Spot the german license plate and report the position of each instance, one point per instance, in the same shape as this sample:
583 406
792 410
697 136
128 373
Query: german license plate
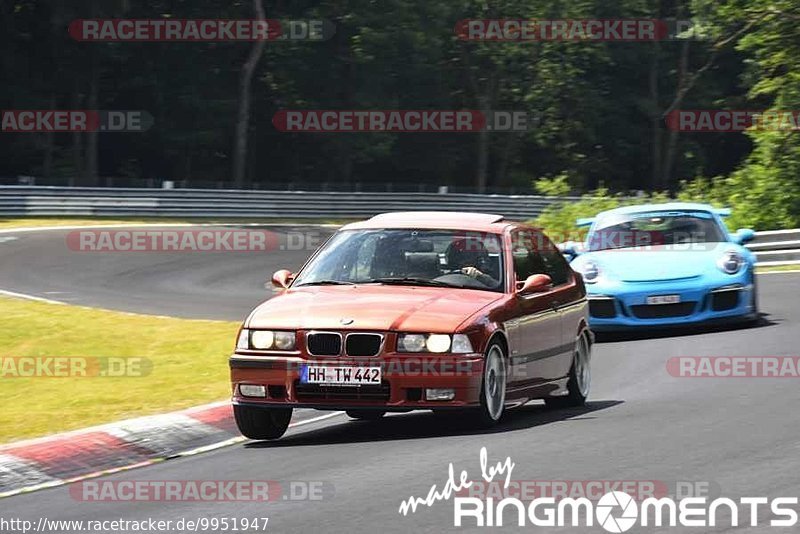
340 376
664 299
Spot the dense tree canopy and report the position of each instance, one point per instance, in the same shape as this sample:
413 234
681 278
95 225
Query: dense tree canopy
599 106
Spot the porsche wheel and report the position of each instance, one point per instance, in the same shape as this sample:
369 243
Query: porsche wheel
493 389
365 415
262 423
580 377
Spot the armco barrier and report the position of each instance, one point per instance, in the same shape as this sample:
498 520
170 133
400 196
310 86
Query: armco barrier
197 203
779 247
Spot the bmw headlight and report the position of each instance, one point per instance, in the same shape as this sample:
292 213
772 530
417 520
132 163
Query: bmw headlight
266 340
730 262
437 343
590 272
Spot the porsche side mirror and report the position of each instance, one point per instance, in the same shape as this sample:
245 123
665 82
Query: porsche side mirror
281 279
535 283
744 235
570 249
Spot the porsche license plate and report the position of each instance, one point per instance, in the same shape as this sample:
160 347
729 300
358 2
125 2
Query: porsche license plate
664 299
340 376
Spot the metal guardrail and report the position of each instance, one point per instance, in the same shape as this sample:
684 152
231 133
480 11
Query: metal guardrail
205 203
779 247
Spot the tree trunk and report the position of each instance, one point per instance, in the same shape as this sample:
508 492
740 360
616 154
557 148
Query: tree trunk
49 145
77 141
243 115
92 136
655 118
672 136
483 161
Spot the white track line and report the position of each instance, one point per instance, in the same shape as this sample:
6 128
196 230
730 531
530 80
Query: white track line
29 297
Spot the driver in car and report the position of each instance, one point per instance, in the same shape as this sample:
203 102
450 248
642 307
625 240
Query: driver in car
470 257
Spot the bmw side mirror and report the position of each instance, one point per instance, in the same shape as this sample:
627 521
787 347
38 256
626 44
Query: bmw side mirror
535 283
744 235
281 279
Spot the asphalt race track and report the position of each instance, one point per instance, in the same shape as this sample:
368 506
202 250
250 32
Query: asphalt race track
739 436
214 285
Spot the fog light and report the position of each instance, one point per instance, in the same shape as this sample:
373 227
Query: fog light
249 390
440 394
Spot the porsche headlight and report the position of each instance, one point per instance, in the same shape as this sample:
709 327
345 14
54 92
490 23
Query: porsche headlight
590 272
730 262
266 340
436 343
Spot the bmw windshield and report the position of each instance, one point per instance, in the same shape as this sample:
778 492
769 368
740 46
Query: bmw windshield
690 227
441 258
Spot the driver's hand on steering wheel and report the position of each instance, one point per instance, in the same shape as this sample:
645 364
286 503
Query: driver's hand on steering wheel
471 272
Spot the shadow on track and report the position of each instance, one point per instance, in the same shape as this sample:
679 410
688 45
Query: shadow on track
682 331
421 425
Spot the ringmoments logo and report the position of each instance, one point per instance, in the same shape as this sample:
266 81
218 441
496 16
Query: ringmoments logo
615 511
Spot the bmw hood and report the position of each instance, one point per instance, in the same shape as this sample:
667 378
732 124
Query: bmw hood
658 263
371 307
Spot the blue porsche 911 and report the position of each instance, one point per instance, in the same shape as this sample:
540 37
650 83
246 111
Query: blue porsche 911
664 265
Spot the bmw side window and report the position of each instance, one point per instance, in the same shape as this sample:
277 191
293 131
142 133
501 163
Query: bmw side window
556 266
527 259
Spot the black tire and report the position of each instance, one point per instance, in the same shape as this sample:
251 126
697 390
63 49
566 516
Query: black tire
262 423
756 313
577 387
493 386
365 415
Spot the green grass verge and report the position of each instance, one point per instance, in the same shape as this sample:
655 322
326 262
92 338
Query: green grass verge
189 366
777 268
34 222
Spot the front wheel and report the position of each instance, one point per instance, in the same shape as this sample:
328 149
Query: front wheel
493 389
262 423
580 377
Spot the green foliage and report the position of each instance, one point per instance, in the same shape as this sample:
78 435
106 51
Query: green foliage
558 220
558 186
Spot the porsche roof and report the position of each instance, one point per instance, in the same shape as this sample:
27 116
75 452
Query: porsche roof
433 219
668 206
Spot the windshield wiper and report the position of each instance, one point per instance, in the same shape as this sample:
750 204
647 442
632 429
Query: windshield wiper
326 283
410 281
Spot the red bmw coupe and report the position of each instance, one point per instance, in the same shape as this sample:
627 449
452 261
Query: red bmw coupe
416 311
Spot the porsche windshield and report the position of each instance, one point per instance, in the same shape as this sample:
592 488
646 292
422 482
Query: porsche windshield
653 229
445 258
